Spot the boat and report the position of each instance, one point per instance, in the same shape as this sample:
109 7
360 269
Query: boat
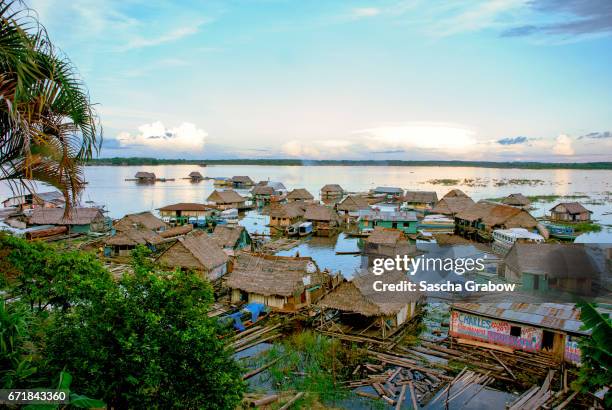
561 231
507 237
305 228
293 229
437 223
229 216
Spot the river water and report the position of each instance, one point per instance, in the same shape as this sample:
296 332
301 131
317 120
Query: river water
108 186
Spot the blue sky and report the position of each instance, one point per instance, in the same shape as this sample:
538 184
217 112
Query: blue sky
415 79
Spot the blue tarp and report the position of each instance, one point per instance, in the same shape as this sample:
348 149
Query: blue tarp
255 309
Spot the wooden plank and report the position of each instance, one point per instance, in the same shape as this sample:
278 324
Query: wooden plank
413 396
503 365
293 400
260 369
402 396
566 401
485 345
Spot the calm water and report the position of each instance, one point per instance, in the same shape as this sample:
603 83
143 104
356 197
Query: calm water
107 186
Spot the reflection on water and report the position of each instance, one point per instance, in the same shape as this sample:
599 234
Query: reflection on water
107 185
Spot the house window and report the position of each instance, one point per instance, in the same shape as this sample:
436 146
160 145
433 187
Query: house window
406 224
394 225
515 331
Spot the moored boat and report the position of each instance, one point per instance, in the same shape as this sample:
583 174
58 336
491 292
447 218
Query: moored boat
305 228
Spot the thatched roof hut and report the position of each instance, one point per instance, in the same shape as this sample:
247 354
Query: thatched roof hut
320 213
228 236
387 242
145 219
77 216
300 194
242 181
453 193
516 200
289 210
492 215
353 203
177 231
185 206
421 197
570 212
225 197
196 251
267 277
263 190
359 296
332 190
134 236
452 205
144 175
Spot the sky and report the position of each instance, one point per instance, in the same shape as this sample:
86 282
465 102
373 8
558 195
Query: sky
498 80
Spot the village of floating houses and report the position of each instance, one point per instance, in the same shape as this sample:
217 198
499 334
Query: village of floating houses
530 349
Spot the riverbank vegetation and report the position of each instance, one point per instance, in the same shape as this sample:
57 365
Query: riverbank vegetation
141 341
302 162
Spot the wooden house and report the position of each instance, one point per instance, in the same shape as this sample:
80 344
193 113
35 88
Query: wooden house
551 266
386 243
145 177
195 176
388 192
281 282
420 200
53 199
231 238
548 328
332 191
366 312
570 212
227 199
79 220
325 221
350 206
478 221
450 206
283 215
518 200
242 182
186 213
262 193
196 252
455 193
123 242
142 219
300 194
405 221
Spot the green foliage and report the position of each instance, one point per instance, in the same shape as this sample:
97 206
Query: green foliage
596 370
46 277
74 399
16 348
148 343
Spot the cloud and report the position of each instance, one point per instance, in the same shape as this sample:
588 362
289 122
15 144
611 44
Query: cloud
597 135
512 140
563 145
155 136
366 12
168 37
570 18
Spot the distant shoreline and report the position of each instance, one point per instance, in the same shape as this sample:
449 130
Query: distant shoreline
131 161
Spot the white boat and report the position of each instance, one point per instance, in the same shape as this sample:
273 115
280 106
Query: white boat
305 228
507 237
229 216
437 223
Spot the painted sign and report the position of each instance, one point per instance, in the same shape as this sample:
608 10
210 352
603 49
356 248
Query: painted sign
495 331
572 350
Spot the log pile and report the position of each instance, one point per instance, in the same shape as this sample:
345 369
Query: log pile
253 336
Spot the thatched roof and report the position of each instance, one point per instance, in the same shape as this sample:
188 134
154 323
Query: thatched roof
455 193
300 194
145 219
55 216
353 203
421 197
572 208
359 296
134 236
332 189
320 213
243 179
492 214
185 206
551 259
194 251
195 175
273 275
144 175
452 205
516 200
290 210
227 236
385 236
225 197
177 231
262 190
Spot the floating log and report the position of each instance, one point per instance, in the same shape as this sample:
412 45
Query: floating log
265 339
413 395
260 369
291 401
402 396
265 400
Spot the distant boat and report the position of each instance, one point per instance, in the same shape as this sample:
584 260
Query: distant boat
305 228
561 231
507 237
437 223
